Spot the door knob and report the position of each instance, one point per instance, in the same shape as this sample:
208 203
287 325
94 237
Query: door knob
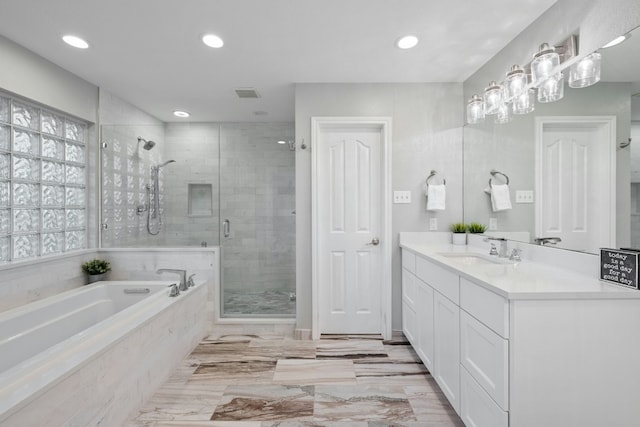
374 242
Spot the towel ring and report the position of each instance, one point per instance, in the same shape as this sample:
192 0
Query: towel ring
434 173
494 173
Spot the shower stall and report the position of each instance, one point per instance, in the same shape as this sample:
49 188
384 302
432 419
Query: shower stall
209 184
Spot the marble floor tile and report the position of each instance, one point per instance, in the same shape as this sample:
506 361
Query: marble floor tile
431 406
235 372
185 402
218 351
315 424
362 403
401 353
283 349
209 424
399 373
265 403
350 349
297 371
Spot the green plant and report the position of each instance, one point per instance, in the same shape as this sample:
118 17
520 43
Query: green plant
477 228
458 227
96 266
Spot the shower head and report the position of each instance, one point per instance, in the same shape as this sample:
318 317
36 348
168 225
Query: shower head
165 163
148 145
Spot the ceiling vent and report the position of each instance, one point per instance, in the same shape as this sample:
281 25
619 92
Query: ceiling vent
247 93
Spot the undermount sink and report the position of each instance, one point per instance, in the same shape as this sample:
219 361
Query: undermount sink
474 258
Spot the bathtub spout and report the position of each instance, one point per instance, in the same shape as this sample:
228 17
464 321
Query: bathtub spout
181 273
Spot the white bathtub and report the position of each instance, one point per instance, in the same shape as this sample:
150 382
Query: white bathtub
63 341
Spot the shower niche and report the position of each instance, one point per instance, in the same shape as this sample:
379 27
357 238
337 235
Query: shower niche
200 199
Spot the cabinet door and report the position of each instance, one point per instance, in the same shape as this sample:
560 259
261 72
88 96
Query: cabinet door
447 348
425 324
477 408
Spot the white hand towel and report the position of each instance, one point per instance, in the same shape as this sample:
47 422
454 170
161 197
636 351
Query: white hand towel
436 196
500 197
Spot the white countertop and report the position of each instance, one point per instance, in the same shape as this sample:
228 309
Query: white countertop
522 280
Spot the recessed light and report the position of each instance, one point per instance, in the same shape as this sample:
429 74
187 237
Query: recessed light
282 142
212 40
180 113
407 42
75 42
616 41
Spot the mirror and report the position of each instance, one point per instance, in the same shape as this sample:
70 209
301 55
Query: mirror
564 161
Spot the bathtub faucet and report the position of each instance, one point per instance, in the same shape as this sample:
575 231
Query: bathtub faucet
181 273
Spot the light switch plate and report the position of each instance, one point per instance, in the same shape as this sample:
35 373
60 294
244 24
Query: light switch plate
524 196
433 224
493 224
401 196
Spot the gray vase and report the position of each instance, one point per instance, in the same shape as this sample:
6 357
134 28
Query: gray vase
97 277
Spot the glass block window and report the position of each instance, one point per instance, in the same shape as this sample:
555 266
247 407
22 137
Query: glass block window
42 181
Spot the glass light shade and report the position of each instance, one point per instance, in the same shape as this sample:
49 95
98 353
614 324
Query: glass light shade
544 64
585 72
504 114
515 83
525 102
475 110
552 89
492 98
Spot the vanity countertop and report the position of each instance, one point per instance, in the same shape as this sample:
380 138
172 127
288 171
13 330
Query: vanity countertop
521 280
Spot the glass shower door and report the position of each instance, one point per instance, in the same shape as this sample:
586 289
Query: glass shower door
257 203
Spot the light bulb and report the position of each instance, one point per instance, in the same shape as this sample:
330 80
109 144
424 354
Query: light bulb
585 72
552 89
544 63
475 110
492 98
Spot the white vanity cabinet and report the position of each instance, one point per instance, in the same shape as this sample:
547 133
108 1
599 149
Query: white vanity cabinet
524 345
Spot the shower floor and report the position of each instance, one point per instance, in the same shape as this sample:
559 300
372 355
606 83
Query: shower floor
256 303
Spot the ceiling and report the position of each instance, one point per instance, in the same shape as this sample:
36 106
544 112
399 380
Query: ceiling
149 52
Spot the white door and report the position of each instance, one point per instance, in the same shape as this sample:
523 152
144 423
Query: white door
349 223
576 182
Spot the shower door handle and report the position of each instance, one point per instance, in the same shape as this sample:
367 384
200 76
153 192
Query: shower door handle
226 228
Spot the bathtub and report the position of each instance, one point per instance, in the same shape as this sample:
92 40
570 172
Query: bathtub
91 355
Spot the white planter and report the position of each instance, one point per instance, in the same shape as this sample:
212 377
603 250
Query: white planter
459 238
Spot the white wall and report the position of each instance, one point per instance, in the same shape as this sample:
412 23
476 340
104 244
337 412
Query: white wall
427 134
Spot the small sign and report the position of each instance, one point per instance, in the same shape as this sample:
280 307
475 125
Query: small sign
620 266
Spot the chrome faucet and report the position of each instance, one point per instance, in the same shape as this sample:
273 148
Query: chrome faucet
190 281
515 255
181 273
503 246
544 240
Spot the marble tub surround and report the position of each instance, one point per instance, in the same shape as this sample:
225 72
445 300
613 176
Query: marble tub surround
251 381
532 278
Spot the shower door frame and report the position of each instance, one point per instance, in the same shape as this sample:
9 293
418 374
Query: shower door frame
383 125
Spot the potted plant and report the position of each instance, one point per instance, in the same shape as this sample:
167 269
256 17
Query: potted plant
476 228
96 269
459 233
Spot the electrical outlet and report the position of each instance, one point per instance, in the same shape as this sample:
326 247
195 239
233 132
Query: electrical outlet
523 196
493 224
402 196
433 224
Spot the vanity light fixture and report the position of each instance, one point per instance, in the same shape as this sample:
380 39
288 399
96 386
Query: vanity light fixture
515 83
475 110
504 114
407 42
212 40
181 114
525 102
75 41
544 63
585 72
492 98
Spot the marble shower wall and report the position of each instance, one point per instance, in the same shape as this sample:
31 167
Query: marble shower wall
257 195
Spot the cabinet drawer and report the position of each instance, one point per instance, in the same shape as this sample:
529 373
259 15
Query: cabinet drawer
476 407
486 306
485 355
440 279
408 260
